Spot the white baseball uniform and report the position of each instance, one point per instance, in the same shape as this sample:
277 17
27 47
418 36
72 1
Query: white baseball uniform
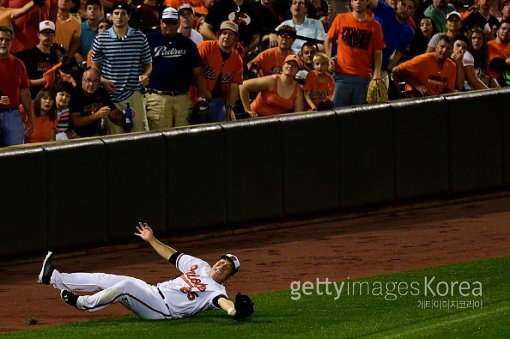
192 292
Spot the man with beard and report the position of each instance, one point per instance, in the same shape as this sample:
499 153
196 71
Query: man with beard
41 58
437 11
176 63
396 29
223 69
499 54
360 43
430 73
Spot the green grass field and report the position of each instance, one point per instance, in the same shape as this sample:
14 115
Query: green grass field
387 306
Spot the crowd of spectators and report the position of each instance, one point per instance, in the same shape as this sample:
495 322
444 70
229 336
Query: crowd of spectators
70 68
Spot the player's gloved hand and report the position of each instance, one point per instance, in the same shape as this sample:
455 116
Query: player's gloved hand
244 306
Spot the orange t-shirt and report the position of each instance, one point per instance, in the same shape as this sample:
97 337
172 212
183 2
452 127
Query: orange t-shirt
67 30
270 61
319 91
270 103
497 51
357 41
42 130
231 69
425 70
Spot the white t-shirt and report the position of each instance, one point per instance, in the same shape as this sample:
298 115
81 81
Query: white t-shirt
193 291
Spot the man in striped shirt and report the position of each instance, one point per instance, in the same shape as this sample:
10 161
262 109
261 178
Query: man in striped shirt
123 56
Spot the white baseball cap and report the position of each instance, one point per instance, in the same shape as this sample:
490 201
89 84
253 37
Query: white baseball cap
170 14
46 25
233 260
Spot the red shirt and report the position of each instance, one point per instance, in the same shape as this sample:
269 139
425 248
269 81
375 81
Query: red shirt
319 91
13 78
270 103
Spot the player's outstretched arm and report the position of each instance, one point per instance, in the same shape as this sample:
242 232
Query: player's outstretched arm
145 232
227 306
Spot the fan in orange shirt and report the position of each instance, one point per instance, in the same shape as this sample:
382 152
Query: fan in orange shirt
271 60
319 84
431 73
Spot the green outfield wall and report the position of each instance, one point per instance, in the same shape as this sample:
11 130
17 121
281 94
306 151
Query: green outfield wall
93 191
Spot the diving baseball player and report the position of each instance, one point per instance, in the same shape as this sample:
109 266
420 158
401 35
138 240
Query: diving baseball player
198 288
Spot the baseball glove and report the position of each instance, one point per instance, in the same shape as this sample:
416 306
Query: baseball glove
39 3
199 112
377 92
244 306
325 105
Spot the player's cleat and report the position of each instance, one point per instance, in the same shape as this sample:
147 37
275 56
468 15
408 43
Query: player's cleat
69 297
46 270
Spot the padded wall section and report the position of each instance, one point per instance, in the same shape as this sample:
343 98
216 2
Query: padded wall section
253 170
366 155
77 200
475 141
505 111
136 181
195 160
421 147
310 162
23 201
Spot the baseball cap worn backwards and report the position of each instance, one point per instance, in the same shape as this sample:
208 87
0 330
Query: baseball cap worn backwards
234 261
170 14
454 13
229 25
122 5
46 25
286 29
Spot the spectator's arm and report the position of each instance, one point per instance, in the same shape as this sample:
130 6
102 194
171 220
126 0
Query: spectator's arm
298 105
472 79
199 81
394 60
26 101
253 85
17 12
377 64
74 46
206 30
328 44
309 100
254 43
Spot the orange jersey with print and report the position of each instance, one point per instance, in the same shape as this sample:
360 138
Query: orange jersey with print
271 103
319 90
270 61
497 51
231 70
357 41
6 16
425 70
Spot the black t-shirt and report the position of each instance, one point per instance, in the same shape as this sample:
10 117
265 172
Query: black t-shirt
87 104
37 63
245 17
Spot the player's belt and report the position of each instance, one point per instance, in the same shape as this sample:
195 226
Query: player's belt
171 93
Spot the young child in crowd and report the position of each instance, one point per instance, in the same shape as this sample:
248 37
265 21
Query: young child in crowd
319 84
45 117
63 91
